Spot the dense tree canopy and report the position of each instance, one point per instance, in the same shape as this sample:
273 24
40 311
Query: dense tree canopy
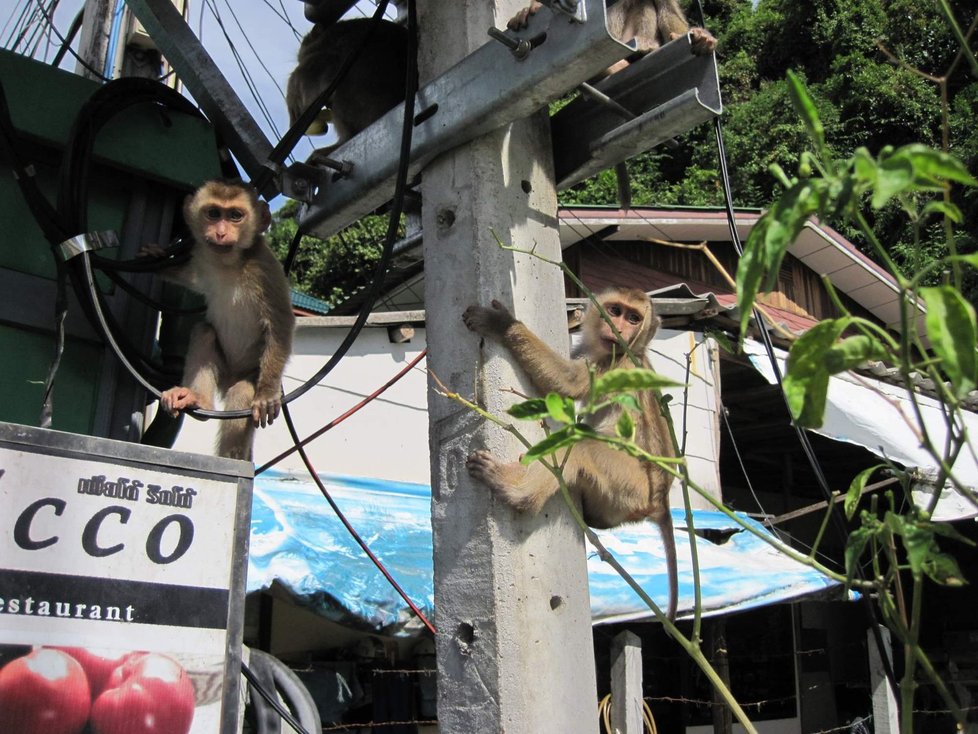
866 64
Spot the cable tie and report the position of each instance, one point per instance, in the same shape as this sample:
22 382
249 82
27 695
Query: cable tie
87 243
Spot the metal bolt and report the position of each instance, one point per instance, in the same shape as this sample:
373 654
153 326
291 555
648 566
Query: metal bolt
520 48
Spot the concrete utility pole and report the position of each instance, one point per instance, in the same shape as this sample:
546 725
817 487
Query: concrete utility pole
514 643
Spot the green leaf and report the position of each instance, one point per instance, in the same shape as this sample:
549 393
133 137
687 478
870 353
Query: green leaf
560 408
554 442
947 530
855 545
533 409
627 400
918 541
942 208
628 379
953 334
894 176
856 489
864 166
805 107
768 241
971 259
807 380
936 166
626 426
852 352
943 569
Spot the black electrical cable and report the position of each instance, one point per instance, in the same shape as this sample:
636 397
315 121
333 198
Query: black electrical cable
107 102
256 684
803 439
67 44
75 26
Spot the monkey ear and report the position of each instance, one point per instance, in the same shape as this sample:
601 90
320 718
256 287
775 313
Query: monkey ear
264 216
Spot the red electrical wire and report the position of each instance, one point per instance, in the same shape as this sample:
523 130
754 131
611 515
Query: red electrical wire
299 446
335 422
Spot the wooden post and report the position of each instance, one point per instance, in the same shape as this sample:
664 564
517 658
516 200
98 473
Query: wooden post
722 715
514 644
626 684
886 719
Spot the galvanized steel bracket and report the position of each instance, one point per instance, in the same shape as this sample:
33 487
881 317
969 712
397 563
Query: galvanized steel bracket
669 92
486 90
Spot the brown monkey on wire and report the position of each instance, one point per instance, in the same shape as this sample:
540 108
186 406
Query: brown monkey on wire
241 348
614 487
371 87
649 23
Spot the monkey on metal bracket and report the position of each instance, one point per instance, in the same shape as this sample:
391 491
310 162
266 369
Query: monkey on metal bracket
240 350
649 23
372 86
614 487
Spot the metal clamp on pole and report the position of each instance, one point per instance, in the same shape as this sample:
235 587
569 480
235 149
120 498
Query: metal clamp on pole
87 243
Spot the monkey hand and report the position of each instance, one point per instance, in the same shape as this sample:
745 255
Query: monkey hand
492 322
702 41
179 398
266 407
522 18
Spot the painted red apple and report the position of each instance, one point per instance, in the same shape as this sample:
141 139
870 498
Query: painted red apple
147 694
44 692
97 664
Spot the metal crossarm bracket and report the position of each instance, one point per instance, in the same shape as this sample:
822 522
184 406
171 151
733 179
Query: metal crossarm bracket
486 90
183 50
669 92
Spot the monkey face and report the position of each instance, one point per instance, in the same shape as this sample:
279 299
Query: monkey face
226 226
627 318
225 218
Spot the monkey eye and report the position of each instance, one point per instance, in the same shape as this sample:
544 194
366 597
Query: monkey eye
236 215
634 318
213 213
614 310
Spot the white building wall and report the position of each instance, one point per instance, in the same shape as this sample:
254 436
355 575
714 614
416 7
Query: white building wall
388 439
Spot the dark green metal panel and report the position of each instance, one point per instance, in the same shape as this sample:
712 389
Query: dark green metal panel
24 368
175 149
143 165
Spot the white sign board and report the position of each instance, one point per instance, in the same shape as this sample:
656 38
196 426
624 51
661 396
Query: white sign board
121 578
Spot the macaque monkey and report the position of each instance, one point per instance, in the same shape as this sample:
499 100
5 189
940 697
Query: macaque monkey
241 348
371 87
614 487
650 23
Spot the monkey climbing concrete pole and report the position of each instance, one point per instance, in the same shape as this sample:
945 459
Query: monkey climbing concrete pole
514 644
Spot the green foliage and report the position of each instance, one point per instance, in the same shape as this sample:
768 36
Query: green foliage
330 269
616 386
862 98
919 183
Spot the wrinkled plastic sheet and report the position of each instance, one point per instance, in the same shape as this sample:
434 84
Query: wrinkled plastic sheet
299 546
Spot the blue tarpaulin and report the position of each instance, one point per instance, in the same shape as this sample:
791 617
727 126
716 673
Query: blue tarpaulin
298 544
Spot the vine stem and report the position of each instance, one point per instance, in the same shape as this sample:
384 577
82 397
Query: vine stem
691 647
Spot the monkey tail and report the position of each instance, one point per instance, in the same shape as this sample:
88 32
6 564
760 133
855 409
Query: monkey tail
664 521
